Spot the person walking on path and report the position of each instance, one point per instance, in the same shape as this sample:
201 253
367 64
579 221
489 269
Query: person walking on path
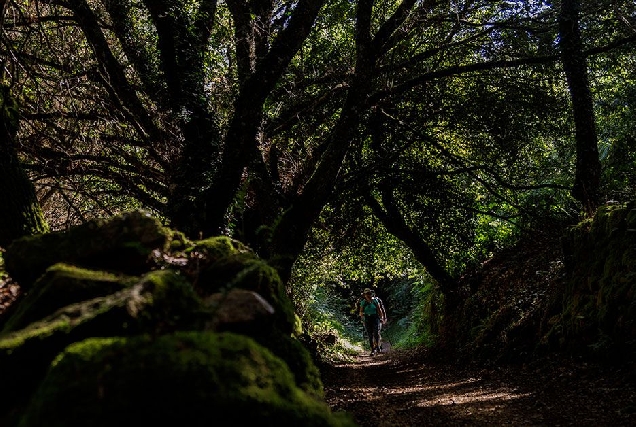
373 315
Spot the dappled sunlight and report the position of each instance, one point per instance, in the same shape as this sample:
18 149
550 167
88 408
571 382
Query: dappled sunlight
405 394
377 361
363 362
467 395
348 345
454 398
442 386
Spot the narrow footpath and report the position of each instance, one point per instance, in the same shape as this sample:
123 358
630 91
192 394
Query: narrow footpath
396 390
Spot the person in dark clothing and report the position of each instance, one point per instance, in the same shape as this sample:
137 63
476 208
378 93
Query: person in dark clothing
373 315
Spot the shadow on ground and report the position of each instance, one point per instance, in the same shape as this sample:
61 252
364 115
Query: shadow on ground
387 390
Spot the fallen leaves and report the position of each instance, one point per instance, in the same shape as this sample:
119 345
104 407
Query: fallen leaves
409 392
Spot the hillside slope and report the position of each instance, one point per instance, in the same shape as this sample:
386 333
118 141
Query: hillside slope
569 291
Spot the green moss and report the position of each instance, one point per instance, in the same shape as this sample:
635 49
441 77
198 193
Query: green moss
89 296
60 286
179 242
161 302
172 303
193 379
630 219
599 292
244 270
297 358
218 247
123 243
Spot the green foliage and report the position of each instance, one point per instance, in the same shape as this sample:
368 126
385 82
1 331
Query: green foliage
331 285
415 310
613 81
353 246
329 321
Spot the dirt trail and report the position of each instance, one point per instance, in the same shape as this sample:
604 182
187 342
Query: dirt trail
402 390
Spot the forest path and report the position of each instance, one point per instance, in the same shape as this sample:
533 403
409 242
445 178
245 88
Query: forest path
396 390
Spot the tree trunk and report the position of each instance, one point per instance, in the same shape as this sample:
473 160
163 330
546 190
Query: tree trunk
586 187
291 232
240 141
394 222
183 40
21 213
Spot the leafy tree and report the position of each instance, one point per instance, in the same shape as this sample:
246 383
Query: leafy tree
249 118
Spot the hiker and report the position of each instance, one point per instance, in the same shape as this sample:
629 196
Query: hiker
373 315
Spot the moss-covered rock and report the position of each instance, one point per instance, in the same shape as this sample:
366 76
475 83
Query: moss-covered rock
123 243
220 264
141 308
298 359
190 378
245 312
571 291
217 247
241 311
62 285
161 302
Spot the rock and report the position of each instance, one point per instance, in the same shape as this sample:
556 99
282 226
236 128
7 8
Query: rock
219 263
161 302
62 285
239 310
123 321
124 243
186 378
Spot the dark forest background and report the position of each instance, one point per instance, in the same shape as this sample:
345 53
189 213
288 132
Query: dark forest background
396 145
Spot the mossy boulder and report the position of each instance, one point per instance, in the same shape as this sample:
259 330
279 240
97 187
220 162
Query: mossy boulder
62 285
298 359
161 302
214 248
124 243
219 264
186 378
125 294
245 312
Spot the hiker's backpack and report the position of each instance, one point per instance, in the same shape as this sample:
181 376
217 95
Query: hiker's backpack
380 304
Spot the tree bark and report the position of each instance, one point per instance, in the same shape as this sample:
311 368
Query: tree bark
183 40
586 188
21 213
240 141
393 220
292 230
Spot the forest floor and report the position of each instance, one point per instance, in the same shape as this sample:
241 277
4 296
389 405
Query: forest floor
397 389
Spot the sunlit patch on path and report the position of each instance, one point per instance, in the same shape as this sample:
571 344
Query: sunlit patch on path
468 397
383 390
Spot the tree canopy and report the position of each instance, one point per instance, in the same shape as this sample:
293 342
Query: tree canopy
450 123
